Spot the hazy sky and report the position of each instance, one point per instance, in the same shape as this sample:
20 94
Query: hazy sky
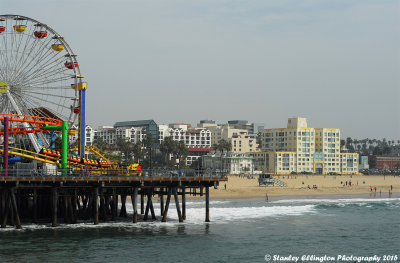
335 62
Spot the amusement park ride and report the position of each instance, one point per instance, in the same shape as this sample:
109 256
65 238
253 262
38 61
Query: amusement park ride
41 93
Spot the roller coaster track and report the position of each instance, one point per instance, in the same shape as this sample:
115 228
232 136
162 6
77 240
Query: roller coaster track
35 123
30 155
99 153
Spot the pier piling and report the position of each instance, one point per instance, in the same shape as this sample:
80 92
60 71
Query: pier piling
96 206
134 204
54 207
178 209
162 203
207 204
164 218
183 202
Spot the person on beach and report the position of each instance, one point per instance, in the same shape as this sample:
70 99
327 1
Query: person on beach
266 197
225 186
375 189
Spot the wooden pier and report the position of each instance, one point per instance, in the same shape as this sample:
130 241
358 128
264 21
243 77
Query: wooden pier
96 197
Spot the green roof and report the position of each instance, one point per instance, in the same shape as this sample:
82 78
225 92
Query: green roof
134 123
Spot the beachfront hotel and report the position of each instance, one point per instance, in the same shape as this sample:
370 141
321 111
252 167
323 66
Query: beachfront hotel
302 149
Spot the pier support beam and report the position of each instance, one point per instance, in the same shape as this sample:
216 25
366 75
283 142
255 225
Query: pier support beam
183 202
96 206
162 204
178 208
6 209
164 218
207 204
75 205
153 215
141 202
122 212
115 200
149 206
14 204
134 204
65 201
103 210
54 206
2 204
34 207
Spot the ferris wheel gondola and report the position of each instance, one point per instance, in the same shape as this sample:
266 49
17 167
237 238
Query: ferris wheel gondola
39 73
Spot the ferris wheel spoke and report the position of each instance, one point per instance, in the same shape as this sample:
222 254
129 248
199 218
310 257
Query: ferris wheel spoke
34 106
39 70
41 51
25 56
49 88
37 66
51 102
48 94
17 42
51 69
49 81
21 54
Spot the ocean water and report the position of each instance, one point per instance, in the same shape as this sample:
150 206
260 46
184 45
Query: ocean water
240 231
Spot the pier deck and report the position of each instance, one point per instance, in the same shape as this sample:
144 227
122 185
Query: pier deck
96 196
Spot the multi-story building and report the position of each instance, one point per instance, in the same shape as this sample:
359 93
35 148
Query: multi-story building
89 134
163 131
198 138
243 143
299 148
141 127
384 162
252 128
110 135
233 163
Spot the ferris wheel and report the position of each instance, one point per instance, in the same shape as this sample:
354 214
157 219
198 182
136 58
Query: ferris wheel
39 74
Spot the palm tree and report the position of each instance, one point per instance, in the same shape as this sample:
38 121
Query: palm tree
223 146
148 143
180 151
167 147
137 151
126 148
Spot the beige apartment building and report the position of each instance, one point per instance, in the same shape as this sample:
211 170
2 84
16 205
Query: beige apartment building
302 149
241 140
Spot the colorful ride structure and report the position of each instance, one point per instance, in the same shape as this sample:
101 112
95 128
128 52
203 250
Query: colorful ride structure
42 92
40 77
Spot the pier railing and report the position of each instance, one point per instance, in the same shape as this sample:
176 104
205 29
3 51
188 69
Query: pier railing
124 173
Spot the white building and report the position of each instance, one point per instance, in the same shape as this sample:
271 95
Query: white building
233 163
89 134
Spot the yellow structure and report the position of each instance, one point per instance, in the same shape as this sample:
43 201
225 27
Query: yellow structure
57 47
301 149
3 87
81 86
20 28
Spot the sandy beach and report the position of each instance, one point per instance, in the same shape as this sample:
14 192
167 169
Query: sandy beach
238 187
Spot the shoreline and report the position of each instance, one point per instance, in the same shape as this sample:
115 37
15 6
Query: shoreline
244 188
